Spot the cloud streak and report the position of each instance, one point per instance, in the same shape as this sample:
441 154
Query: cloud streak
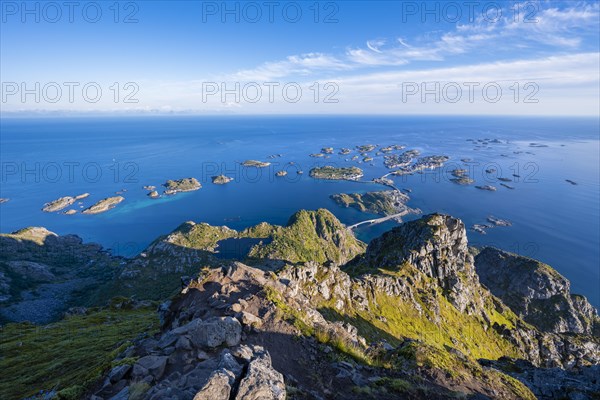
550 30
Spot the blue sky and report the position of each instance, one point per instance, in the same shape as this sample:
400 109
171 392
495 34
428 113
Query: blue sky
363 57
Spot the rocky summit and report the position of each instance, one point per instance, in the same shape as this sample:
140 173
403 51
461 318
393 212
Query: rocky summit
306 311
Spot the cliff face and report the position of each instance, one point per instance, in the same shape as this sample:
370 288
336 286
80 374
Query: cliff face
437 246
536 292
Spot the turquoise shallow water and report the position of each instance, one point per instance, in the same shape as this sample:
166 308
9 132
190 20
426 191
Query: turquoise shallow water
554 221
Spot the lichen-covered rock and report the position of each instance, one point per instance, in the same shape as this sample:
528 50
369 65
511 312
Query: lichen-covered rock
218 386
262 381
437 246
216 331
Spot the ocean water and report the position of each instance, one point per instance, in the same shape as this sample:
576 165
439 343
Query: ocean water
553 221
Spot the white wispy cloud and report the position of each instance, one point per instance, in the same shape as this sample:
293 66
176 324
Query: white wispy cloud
302 65
547 30
559 29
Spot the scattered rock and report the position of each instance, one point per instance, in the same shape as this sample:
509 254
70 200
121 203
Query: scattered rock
336 173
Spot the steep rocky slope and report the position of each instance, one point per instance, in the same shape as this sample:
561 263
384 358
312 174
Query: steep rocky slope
536 292
42 274
309 312
407 319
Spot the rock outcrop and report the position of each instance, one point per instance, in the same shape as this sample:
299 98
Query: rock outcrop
536 292
316 315
437 246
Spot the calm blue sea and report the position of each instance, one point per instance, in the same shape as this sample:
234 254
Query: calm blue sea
553 220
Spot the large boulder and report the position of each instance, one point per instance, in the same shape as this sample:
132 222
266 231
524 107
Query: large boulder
150 365
217 331
210 333
218 386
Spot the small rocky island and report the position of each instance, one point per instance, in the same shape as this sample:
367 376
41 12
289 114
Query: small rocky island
104 205
336 173
3 200
489 188
400 160
423 163
280 174
498 221
58 204
152 192
493 222
181 185
461 177
256 164
221 179
366 148
392 147
327 150
387 202
63 202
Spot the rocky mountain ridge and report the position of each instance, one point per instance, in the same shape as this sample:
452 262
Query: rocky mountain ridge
412 302
417 314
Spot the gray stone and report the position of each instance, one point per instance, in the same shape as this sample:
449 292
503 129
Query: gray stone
218 386
250 319
117 373
262 382
242 351
217 331
183 343
153 365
